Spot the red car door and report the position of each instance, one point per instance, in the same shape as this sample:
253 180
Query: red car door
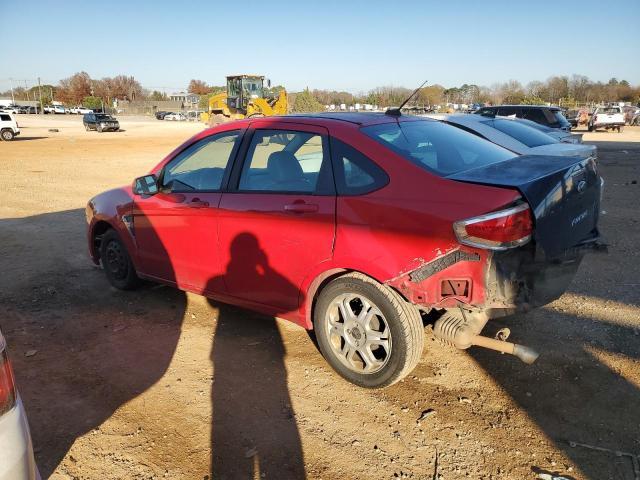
176 229
277 221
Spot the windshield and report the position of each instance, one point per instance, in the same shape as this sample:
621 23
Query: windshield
558 117
103 117
252 87
437 147
609 110
522 133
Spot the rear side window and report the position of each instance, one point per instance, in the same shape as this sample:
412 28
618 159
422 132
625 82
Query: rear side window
283 161
355 173
437 147
507 111
5 118
486 111
522 133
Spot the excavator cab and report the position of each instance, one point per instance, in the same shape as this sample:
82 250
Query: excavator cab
242 89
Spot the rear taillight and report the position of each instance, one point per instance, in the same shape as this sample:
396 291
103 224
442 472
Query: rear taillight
500 230
7 385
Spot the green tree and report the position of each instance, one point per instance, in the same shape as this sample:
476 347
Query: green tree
157 96
92 102
305 102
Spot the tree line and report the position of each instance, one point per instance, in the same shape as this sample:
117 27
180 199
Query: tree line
81 89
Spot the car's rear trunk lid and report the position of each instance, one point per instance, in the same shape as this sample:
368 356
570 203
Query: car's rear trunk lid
563 192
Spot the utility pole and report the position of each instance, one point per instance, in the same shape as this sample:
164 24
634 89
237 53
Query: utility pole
40 93
13 100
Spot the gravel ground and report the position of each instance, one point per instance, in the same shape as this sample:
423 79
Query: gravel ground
157 383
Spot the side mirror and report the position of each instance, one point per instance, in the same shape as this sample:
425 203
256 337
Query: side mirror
146 185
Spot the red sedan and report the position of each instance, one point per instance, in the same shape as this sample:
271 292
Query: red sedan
363 227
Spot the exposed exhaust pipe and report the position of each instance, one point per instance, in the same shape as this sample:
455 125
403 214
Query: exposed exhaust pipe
463 331
526 354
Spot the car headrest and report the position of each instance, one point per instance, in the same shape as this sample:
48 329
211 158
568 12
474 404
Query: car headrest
284 166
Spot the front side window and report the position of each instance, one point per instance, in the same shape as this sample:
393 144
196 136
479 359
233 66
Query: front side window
537 115
201 166
522 133
283 161
437 147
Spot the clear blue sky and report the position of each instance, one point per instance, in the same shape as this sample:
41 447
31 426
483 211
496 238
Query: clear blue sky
345 45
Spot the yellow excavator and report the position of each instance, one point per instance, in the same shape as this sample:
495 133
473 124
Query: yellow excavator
245 97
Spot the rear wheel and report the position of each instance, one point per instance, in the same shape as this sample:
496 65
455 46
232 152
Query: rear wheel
367 332
7 135
117 263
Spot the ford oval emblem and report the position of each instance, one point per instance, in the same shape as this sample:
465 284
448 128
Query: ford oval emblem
581 186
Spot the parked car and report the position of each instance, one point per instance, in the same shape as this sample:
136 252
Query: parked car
8 126
160 115
80 110
175 117
512 134
13 109
549 116
562 135
16 451
400 215
609 118
101 122
58 109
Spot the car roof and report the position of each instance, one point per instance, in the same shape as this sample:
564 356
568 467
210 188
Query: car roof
527 106
354 118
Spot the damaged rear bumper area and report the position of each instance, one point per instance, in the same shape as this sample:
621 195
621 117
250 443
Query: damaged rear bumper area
521 279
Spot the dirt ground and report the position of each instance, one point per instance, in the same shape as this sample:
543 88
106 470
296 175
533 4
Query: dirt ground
156 383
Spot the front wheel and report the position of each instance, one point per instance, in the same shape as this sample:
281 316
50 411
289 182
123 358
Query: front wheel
367 332
7 135
117 263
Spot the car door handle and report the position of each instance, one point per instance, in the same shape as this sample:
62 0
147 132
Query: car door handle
301 207
197 203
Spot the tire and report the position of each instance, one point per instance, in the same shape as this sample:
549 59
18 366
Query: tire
99 128
86 127
590 128
116 262
7 135
397 352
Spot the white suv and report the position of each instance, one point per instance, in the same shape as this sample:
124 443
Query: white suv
8 126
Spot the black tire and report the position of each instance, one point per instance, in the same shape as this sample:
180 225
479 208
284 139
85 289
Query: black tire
117 263
403 321
590 128
7 135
